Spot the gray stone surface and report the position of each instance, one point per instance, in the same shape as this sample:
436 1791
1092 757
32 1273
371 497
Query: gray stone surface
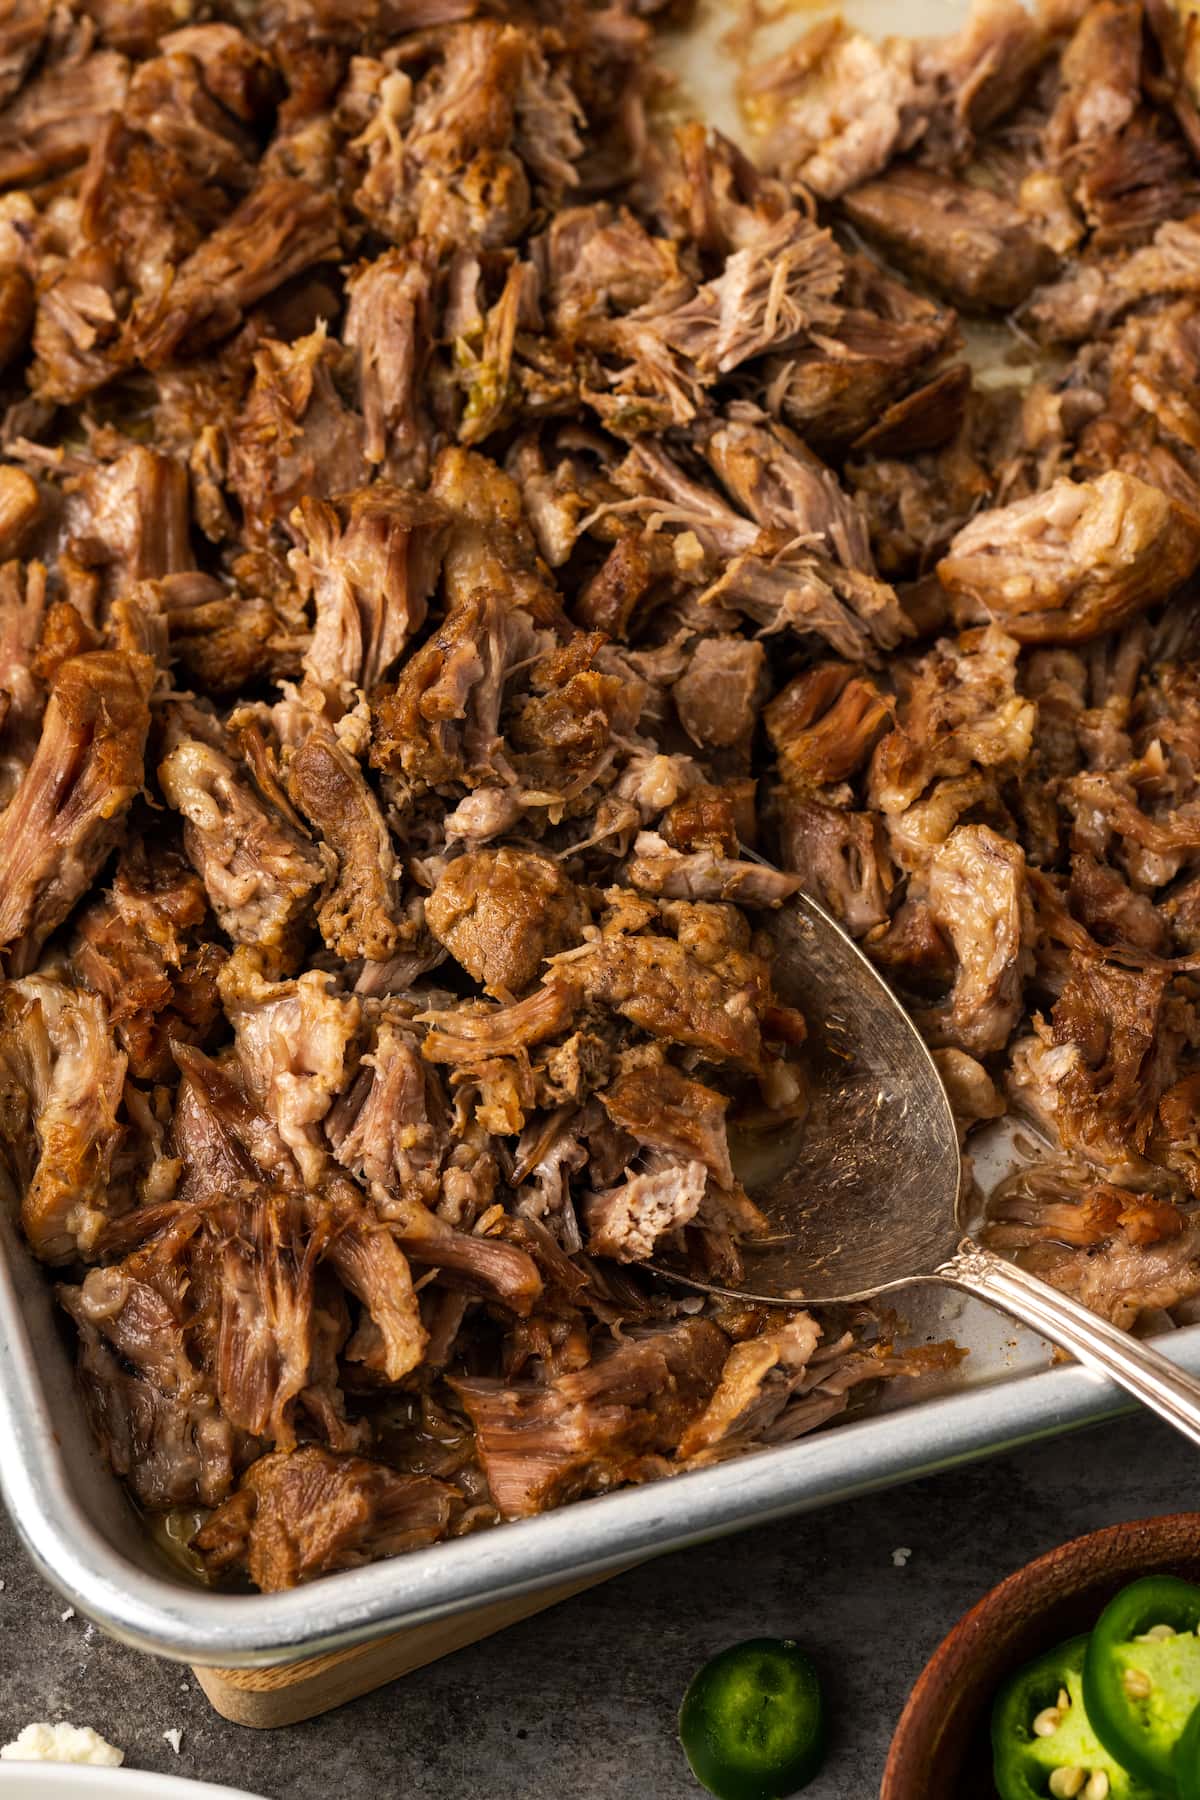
581 1702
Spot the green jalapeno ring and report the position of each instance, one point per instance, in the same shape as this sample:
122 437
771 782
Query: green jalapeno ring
752 1723
1141 1676
1043 1741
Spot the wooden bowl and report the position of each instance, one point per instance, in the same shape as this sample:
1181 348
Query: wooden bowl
941 1748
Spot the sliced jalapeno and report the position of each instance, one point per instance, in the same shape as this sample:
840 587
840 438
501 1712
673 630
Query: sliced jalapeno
1043 1741
1141 1677
752 1723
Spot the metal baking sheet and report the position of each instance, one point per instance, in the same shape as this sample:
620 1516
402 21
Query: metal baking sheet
86 1538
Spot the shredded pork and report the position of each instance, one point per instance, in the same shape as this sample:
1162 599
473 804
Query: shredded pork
470 555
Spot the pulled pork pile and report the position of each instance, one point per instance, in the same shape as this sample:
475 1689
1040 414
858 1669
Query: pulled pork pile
460 549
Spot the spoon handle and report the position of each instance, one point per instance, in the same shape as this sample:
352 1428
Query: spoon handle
1135 1365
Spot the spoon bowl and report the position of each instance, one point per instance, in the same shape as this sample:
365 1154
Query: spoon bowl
872 1197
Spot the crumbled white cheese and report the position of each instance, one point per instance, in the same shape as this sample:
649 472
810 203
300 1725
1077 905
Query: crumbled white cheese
63 1743
900 1556
69 1614
174 1737
1 1587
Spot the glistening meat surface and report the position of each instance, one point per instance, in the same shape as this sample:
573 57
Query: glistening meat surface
470 554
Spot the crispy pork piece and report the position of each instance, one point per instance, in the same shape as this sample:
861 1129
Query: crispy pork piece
141 948
470 1262
389 326
281 1259
440 723
837 107
260 870
779 584
132 522
222 639
1093 296
682 971
266 1264
1096 1074
16 312
589 1430
566 732
458 158
1078 560
657 868
237 72
20 505
53 122
276 1245
836 389
76 328
370 565
476 1030
824 724
22 612
982 71
972 1093
490 544
599 261
1100 77
971 245
1123 1254
501 913
390 1126
714 193
295 437
978 900
840 857
302 1513
282 226
1134 183
1113 912
368 1260
626 1222
678 1170
64 1079
224 1143
362 914
153 1409
717 695
756 1383
21 40
295 1044
960 712
660 1107
353 23
69 810
170 103
779 483
771 296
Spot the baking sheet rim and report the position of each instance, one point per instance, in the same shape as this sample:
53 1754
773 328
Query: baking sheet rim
191 1624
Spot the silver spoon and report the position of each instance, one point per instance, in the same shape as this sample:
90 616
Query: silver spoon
873 1199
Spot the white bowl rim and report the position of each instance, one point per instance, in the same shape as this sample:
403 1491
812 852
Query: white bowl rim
63 1781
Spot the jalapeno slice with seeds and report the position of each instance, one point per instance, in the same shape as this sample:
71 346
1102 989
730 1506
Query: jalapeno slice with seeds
752 1723
1044 1746
1141 1677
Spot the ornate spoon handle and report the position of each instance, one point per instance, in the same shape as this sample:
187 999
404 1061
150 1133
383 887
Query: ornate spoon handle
1143 1371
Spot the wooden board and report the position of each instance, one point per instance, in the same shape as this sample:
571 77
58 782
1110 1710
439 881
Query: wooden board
289 1692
